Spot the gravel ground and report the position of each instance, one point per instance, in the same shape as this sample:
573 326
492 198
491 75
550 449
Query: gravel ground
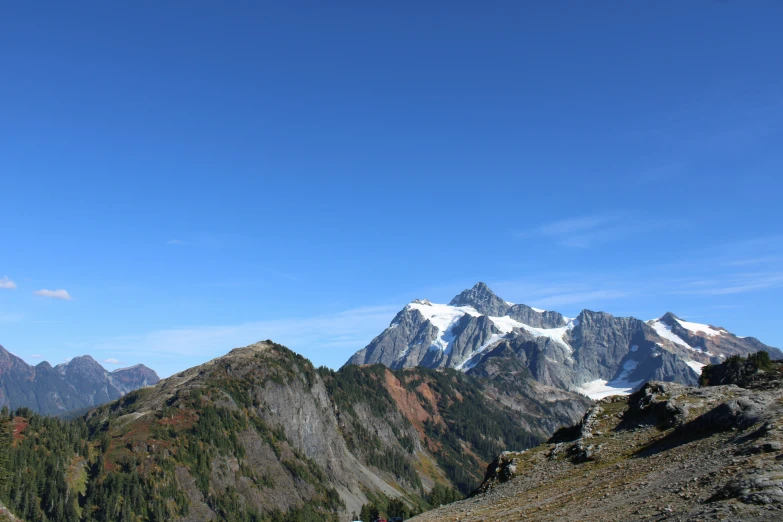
678 453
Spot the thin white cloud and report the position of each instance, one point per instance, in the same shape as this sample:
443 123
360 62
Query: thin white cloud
54 294
575 225
580 232
325 339
736 284
36 356
175 242
762 260
580 297
111 360
10 318
7 283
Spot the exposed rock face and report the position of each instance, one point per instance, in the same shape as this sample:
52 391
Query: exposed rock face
667 451
483 300
595 353
80 383
128 379
363 431
705 343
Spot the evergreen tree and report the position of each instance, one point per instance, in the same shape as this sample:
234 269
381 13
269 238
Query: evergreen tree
6 438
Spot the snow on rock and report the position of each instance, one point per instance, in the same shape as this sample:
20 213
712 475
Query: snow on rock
628 367
556 334
598 389
695 366
443 317
665 331
699 328
471 360
539 310
505 324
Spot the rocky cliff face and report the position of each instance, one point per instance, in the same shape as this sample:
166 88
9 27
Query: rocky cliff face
594 353
292 438
80 383
128 379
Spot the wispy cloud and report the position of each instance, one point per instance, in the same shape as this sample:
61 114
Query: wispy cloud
581 297
36 356
7 283
111 360
731 284
575 225
581 232
54 294
10 318
326 339
762 260
565 289
175 242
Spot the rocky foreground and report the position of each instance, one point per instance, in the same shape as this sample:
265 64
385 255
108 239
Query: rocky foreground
667 452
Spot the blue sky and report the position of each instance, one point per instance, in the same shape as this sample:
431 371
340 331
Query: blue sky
196 176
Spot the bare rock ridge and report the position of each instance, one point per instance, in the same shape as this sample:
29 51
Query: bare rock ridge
594 353
78 384
666 452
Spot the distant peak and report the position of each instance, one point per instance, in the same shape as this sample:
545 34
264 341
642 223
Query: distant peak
83 358
82 364
482 299
131 368
479 290
669 318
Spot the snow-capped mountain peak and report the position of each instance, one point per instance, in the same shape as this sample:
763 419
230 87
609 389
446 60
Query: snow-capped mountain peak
595 353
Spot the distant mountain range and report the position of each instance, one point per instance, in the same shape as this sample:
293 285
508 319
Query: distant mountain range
594 353
79 384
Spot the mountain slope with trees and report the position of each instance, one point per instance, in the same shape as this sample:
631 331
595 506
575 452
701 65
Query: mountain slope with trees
262 435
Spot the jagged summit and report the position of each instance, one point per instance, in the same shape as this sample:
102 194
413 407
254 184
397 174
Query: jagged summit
84 365
595 353
482 299
669 318
80 383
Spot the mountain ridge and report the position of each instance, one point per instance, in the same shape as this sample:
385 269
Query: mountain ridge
594 353
67 387
261 434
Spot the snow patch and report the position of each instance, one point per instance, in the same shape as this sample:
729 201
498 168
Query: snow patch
556 334
700 328
505 324
540 311
665 331
598 389
634 348
472 360
443 317
695 366
628 366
